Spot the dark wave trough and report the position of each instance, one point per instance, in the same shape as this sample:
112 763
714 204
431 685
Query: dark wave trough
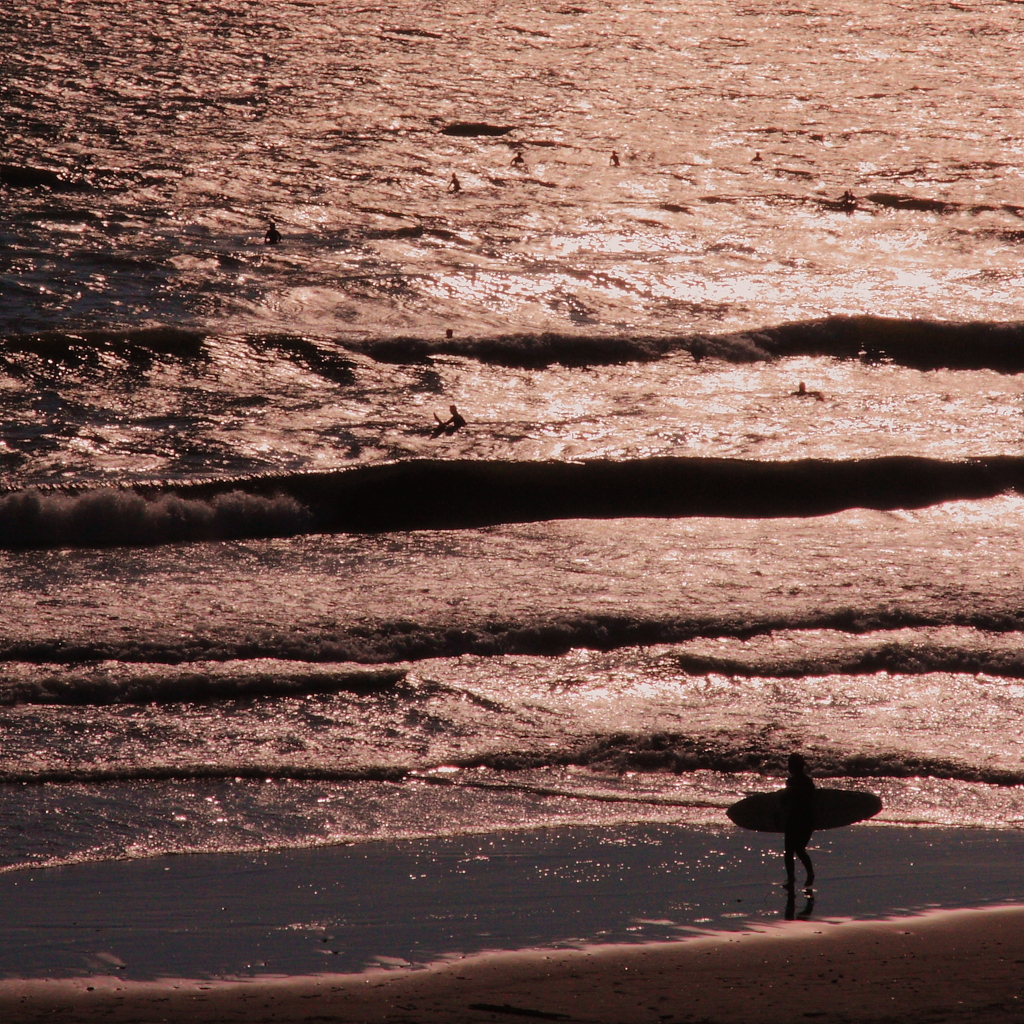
765 752
904 657
432 494
100 689
79 347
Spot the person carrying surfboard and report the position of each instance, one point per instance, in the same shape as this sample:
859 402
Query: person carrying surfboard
798 809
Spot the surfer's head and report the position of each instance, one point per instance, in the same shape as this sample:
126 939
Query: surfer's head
797 765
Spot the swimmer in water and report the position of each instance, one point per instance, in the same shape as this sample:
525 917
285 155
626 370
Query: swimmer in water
273 236
453 186
451 425
518 161
802 392
848 202
614 159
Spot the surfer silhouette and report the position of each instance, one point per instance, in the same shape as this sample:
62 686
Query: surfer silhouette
614 159
802 392
273 236
518 161
798 808
453 186
451 425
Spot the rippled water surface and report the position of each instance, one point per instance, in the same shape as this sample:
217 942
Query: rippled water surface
666 218
178 129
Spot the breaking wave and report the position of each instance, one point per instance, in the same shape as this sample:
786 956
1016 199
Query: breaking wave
33 518
762 752
919 344
429 494
549 636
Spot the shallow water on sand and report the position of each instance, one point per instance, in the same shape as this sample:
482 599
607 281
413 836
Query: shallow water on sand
406 904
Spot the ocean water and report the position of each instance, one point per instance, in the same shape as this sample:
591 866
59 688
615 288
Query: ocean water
253 600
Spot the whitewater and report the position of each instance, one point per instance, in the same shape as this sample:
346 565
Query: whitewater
731 299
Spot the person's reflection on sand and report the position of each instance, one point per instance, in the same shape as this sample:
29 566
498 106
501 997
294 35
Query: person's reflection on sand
791 914
798 805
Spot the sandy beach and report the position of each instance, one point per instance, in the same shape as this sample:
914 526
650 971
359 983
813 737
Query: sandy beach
960 965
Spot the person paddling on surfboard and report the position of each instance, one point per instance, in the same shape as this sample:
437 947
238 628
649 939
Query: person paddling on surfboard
451 425
798 807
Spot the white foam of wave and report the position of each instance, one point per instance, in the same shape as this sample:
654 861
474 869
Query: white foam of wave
34 518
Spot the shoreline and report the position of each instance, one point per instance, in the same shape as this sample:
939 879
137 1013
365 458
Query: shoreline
634 924
344 909
961 964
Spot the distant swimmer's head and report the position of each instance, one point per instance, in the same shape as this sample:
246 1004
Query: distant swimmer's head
801 389
797 765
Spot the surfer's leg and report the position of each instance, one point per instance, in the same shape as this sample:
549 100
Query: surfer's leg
806 861
801 851
796 846
790 864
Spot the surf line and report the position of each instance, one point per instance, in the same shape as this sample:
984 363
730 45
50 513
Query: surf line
607 798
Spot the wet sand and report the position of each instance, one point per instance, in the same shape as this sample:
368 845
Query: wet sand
343 909
962 965
548 924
